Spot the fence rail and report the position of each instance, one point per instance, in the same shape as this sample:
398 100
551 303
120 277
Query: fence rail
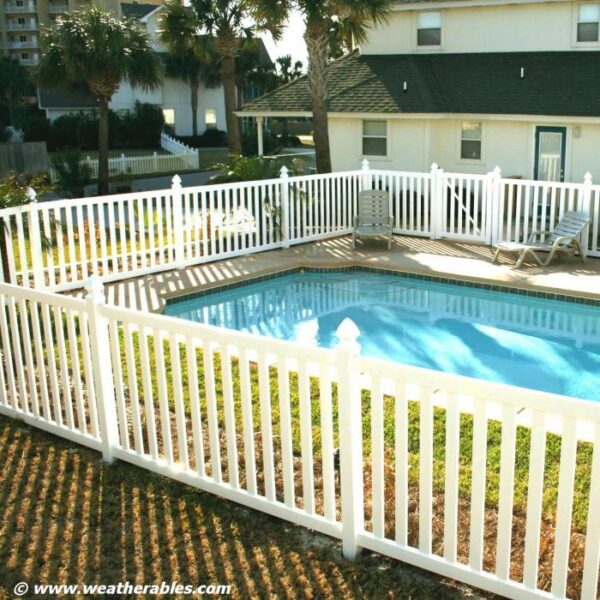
258 421
59 244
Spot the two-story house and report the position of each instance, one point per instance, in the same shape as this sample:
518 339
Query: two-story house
173 95
469 84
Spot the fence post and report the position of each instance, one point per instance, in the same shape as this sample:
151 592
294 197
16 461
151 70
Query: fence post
123 164
494 206
437 202
155 162
177 193
586 206
35 240
366 175
285 206
351 454
104 385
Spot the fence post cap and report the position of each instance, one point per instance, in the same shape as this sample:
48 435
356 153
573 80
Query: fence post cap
31 195
176 181
434 166
284 171
365 164
348 333
587 178
94 289
497 171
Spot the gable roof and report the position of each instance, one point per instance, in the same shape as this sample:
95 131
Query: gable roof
66 99
554 83
138 10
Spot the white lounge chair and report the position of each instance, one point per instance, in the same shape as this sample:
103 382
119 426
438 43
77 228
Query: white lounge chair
564 238
373 216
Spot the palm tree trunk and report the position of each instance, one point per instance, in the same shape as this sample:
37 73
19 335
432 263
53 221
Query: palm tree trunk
194 83
103 146
233 125
317 45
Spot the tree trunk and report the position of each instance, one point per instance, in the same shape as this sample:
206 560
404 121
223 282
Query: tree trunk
194 83
103 146
233 125
317 45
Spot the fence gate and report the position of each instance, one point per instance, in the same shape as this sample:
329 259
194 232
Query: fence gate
465 207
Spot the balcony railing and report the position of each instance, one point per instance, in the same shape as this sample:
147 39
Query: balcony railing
29 62
27 7
29 25
30 43
54 9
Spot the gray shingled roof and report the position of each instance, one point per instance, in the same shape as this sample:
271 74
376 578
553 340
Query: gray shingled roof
555 83
137 10
59 98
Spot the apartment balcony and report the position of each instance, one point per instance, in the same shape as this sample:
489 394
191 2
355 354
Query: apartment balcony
25 7
30 43
32 61
56 9
28 25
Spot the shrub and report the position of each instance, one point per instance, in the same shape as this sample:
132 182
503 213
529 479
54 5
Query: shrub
32 122
211 138
73 173
271 144
138 129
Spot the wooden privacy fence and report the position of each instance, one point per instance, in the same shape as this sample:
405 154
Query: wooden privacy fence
380 455
59 244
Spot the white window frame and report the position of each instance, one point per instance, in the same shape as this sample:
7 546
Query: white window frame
576 42
470 161
416 30
385 156
172 110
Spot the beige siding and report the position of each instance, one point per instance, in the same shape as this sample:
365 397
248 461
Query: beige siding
415 143
508 28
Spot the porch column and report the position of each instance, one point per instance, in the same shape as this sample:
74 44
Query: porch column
259 131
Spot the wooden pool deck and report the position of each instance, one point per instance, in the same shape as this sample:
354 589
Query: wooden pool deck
438 258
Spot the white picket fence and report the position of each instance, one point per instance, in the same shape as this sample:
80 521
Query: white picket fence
96 374
180 158
59 244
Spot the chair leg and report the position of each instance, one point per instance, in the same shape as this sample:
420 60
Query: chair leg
496 254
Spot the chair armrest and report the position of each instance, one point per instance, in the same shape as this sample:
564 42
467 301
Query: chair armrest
536 233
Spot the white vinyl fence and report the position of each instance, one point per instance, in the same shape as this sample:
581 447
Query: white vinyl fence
59 244
258 421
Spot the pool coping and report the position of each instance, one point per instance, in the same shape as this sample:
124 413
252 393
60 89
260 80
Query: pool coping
573 297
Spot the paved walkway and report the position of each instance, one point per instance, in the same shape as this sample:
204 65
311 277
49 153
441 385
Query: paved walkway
464 261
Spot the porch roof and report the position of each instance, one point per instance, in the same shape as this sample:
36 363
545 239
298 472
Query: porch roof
553 84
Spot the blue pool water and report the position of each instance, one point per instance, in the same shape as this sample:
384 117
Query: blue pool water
537 343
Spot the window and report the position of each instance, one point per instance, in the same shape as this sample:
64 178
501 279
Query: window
25 55
21 21
22 38
374 138
588 25
169 116
429 29
210 118
470 141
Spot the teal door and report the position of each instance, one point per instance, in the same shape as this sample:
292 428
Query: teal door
550 151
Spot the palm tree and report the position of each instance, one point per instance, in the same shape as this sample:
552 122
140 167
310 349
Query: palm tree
226 21
322 19
93 49
14 82
286 72
191 55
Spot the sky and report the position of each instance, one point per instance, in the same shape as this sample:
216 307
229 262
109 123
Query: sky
291 42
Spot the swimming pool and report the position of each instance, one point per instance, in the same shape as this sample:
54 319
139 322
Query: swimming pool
538 343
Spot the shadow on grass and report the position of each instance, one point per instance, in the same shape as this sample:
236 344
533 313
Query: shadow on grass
66 517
